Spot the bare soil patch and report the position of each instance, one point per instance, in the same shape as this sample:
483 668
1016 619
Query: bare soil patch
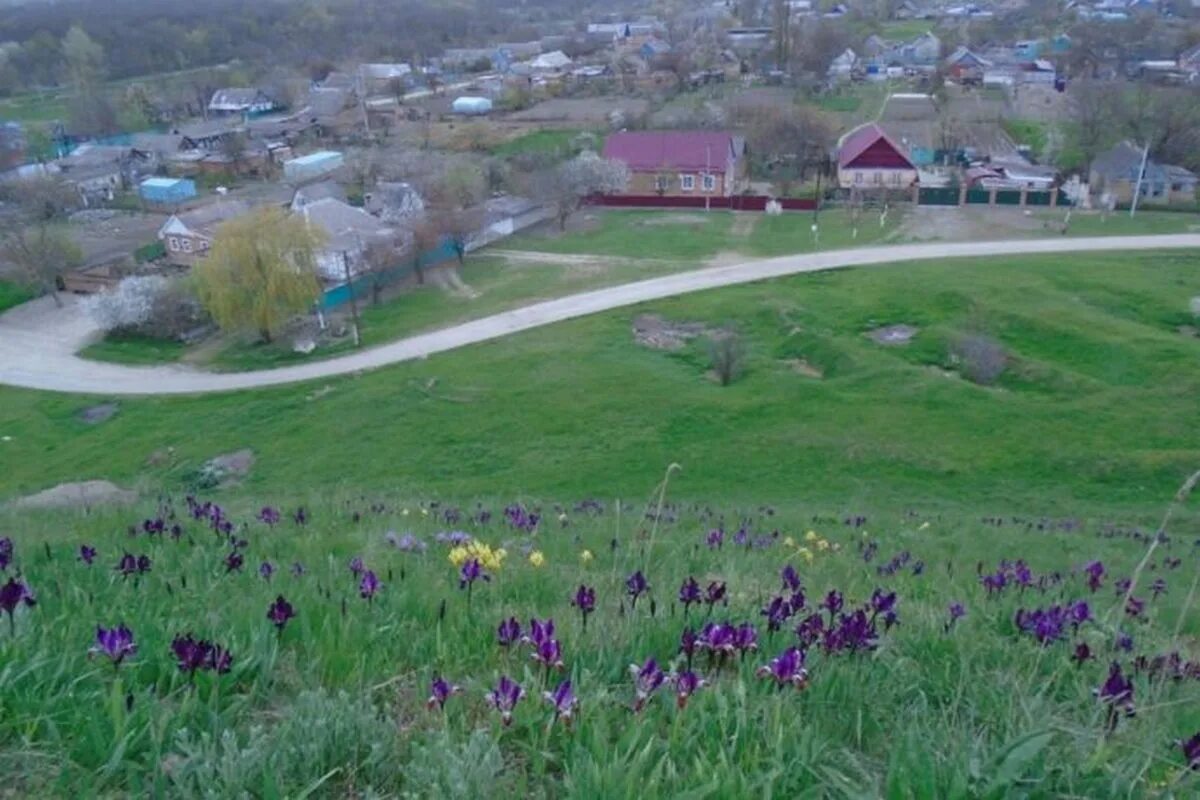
94 415
803 367
894 335
651 330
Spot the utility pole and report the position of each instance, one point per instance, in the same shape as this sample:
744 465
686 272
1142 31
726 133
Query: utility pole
704 180
1137 190
353 298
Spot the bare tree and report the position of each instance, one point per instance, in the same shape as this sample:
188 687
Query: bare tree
727 356
34 240
1094 117
787 138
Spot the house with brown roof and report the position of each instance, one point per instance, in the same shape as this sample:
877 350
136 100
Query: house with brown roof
680 163
869 159
188 235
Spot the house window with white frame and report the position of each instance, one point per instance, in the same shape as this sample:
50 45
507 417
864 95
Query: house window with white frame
858 178
660 183
896 178
187 244
710 182
878 178
687 182
173 244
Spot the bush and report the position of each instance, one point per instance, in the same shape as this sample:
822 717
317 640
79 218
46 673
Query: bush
727 356
980 358
151 305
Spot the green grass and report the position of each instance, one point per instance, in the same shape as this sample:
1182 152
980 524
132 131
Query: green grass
1076 450
134 349
12 295
1027 132
640 234
580 408
559 143
841 103
1119 223
37 107
792 232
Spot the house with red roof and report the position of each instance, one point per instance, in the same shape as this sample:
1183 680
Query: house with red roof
870 159
679 163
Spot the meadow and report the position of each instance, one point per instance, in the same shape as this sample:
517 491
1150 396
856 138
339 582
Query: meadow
867 578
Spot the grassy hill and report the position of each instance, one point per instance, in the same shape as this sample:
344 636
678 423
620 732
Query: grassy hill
869 470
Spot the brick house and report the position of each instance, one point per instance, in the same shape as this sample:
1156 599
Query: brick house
188 235
870 159
1118 170
680 163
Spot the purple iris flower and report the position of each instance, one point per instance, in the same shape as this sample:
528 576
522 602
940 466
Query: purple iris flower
689 593
300 516
855 632
647 680
505 696
714 593
777 612
718 638
280 612
811 629
190 654
368 586
539 631
585 601
1191 751
297 570
688 642
636 586
1117 694
266 569
742 537
87 554
6 552
1082 653
548 653
357 567
509 632
234 561
797 601
1022 575
1124 642
220 660
786 669
1095 575
440 691
1081 612
686 684
471 571
745 638
1158 587
563 701
269 515
994 583
791 579
957 612
715 538
453 538
1135 606
833 602
133 565
405 543
13 594
114 643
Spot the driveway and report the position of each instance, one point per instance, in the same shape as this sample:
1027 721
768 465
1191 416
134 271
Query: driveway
38 342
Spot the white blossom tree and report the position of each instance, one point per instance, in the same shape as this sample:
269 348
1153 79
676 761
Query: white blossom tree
578 179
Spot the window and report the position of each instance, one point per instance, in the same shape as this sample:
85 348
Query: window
687 182
896 178
203 245
710 183
173 244
660 183
187 244
878 178
858 178
1176 187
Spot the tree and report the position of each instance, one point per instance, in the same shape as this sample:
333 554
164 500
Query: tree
34 240
1094 116
788 138
261 271
461 185
90 110
578 179
234 148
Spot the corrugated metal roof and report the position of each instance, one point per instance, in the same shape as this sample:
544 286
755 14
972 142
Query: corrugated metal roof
644 151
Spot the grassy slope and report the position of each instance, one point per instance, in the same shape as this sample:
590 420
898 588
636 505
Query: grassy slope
12 295
125 349
1099 408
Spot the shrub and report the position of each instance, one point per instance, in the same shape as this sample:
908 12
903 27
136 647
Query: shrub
151 305
980 358
727 356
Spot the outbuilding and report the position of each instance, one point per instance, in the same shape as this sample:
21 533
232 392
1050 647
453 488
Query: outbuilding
167 191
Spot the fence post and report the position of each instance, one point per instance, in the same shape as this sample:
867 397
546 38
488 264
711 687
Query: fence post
916 195
1054 197
1024 196
962 194
992 196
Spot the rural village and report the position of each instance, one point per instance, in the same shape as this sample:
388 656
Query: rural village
593 399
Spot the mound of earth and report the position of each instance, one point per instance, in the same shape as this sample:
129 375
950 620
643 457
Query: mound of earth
94 415
651 330
83 494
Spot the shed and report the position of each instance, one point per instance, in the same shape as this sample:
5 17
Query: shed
312 166
472 106
167 191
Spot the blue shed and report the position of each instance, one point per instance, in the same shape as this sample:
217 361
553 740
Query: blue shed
313 165
167 191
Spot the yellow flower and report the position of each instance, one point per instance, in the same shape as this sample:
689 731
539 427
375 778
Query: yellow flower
586 556
924 525
806 554
789 541
404 513
458 556
822 544
811 536
536 558
424 512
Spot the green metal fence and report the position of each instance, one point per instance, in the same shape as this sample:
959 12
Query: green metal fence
1008 197
979 197
933 196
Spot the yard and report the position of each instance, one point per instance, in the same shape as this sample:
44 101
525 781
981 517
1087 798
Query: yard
557 143
12 295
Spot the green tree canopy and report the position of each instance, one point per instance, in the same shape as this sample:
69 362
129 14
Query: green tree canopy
261 272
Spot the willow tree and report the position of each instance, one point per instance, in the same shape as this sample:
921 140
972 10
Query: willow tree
261 272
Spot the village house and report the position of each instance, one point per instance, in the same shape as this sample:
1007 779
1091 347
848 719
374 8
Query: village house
966 67
1116 173
227 102
869 159
188 235
394 202
680 163
347 233
378 79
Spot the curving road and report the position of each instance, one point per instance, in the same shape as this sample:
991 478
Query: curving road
38 342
